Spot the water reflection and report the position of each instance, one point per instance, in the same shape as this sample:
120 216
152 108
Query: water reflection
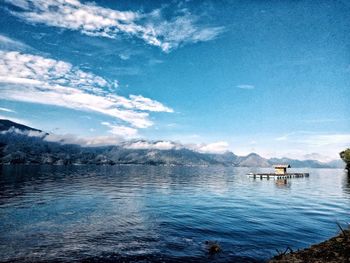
283 183
149 213
346 182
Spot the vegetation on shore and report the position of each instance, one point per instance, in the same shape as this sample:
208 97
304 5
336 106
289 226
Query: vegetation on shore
345 156
334 250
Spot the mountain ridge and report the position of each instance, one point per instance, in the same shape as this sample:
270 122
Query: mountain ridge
7 124
19 146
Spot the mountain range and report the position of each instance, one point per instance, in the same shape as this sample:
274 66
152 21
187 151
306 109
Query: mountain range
21 144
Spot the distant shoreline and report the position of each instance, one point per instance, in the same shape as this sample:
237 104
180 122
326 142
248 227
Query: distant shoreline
147 164
19 146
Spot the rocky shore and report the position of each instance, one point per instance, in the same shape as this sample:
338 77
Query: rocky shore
334 250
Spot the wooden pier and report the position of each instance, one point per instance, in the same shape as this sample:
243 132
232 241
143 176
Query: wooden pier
277 176
280 173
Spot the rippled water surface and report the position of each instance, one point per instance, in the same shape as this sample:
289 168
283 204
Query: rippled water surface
148 213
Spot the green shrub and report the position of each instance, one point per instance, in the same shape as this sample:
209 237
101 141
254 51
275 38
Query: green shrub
345 156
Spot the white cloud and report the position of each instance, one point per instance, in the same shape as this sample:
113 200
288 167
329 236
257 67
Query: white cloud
69 138
319 140
7 43
245 86
36 79
22 68
120 133
124 56
326 120
84 141
216 147
146 104
316 139
158 145
282 138
287 136
93 20
7 110
301 144
120 130
29 133
101 141
141 103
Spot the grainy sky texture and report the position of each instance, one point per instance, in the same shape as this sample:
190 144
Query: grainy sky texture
271 77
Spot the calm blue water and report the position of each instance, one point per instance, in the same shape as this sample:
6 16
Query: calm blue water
146 213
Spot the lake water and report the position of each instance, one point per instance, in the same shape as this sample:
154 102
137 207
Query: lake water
149 213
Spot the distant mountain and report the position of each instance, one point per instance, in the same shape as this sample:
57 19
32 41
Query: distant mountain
253 160
227 158
19 145
336 164
298 163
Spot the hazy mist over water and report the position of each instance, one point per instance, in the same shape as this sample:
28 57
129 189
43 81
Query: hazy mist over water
154 213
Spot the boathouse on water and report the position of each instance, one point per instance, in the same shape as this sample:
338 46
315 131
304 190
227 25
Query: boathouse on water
281 168
280 173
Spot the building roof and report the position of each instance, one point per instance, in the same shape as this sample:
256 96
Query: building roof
281 166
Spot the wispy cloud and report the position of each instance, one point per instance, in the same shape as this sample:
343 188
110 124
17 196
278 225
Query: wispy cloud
325 120
216 147
7 43
7 110
70 138
315 139
36 79
282 138
93 20
121 130
327 139
245 86
300 143
148 145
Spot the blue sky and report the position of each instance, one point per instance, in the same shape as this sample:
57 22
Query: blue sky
265 76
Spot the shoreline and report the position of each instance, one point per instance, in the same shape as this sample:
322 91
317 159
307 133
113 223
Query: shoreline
333 250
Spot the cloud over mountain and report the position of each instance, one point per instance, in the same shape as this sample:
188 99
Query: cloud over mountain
23 144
